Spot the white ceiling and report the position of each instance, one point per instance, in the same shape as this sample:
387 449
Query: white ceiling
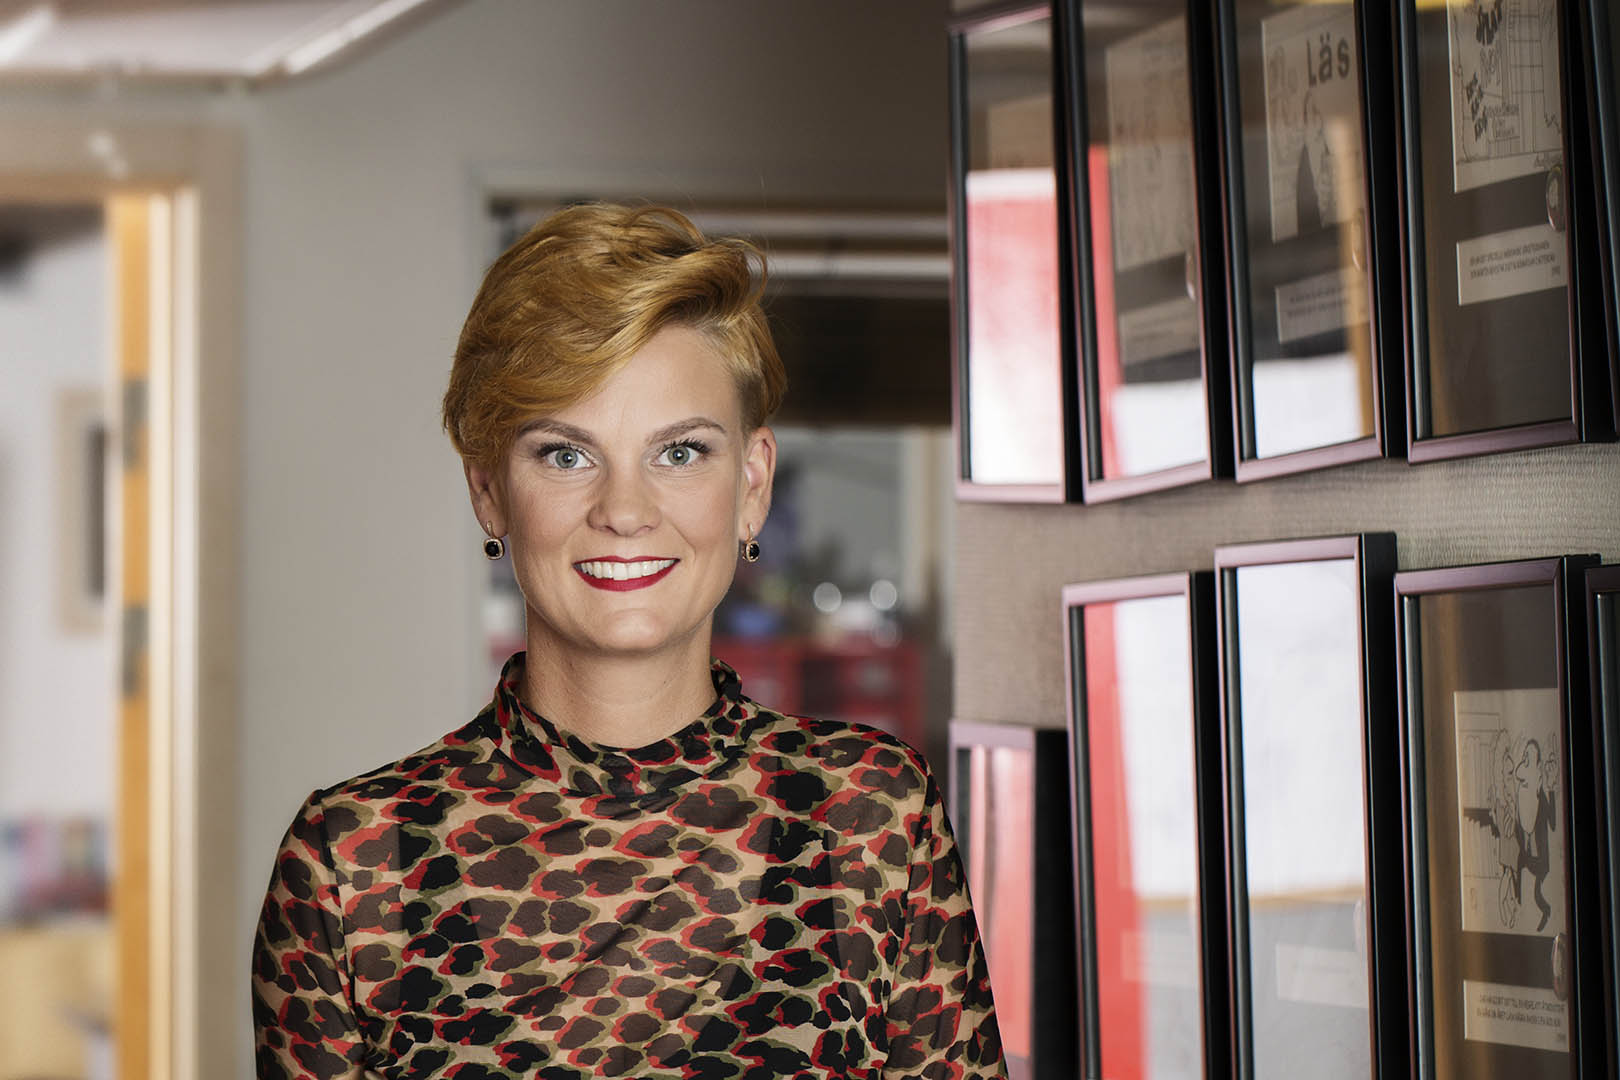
186 39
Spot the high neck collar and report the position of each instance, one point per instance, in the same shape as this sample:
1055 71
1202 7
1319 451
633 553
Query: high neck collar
708 745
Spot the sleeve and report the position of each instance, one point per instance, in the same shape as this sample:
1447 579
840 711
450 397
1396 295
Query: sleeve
941 1020
303 1017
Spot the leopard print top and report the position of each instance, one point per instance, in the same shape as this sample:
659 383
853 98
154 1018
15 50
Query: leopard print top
757 896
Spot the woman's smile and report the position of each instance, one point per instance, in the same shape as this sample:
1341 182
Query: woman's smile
620 575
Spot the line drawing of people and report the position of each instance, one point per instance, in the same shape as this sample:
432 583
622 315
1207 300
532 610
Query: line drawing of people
1535 805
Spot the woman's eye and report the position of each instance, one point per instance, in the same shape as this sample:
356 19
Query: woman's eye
680 454
563 457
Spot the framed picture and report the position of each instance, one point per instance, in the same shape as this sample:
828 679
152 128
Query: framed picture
1313 808
1150 284
1312 235
1010 806
1501 266
1501 832
1009 306
1145 763
1600 31
1603 659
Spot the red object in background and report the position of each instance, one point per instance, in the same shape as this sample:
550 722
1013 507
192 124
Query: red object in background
1102 293
855 679
1122 1048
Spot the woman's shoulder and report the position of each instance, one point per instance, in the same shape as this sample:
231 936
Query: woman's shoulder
847 755
452 760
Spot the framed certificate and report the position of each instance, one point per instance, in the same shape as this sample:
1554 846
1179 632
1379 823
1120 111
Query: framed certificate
1501 265
1146 777
1313 808
1313 238
1603 661
1010 807
1150 287
1010 328
1502 829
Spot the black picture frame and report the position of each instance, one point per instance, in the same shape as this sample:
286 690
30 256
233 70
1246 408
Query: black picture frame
1312 236
1601 38
1016 833
1492 672
1026 417
1318 939
1170 613
1517 336
1167 277
1603 664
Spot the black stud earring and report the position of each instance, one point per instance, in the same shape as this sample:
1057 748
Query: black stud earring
494 546
750 550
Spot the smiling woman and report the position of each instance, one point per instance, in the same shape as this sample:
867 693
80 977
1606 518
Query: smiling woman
623 866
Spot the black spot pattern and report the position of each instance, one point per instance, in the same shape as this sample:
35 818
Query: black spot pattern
756 896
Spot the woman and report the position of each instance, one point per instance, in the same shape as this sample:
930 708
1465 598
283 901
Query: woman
745 894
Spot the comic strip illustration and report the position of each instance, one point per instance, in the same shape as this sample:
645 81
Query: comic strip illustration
1506 105
1511 843
1150 145
1313 117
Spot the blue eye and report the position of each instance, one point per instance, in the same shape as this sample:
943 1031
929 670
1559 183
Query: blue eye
562 456
682 454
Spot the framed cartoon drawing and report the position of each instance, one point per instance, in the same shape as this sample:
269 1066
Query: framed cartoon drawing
1008 245
1010 806
1309 156
1502 835
1145 763
1506 341
1313 808
1150 286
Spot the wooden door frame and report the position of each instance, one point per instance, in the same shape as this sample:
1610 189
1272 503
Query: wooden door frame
88 152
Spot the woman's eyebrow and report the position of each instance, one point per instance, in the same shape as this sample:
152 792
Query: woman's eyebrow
558 428
683 427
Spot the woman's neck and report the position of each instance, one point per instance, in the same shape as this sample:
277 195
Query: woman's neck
618 700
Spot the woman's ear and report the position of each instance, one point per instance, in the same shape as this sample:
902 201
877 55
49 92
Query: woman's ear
759 471
484 488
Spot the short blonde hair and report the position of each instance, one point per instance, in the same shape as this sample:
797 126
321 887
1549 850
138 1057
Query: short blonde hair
568 304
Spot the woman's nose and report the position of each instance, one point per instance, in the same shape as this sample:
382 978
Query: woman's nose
625 503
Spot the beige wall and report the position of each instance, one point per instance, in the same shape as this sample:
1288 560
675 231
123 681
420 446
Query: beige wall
1008 617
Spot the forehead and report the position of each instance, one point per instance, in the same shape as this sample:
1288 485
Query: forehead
677 374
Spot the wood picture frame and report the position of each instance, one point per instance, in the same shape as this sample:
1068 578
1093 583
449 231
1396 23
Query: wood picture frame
1312 235
1010 808
1504 333
1012 342
1603 664
1149 282
1145 775
1318 930
1496 733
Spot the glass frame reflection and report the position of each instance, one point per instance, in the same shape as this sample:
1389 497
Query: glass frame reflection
1199 779
1524 224
1321 976
1014 840
1167 275
1034 478
1603 663
1600 35
1496 965
1315 307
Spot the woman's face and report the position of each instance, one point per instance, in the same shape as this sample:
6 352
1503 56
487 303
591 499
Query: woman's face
623 512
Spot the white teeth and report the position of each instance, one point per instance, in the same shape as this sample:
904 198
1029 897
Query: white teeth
619 571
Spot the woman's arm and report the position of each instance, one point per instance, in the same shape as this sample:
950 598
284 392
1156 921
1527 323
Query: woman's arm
941 1021
303 1018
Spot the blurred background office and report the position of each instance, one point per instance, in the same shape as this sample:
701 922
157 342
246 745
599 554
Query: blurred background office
237 240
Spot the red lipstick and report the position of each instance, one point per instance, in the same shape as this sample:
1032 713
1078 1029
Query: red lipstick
639 573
